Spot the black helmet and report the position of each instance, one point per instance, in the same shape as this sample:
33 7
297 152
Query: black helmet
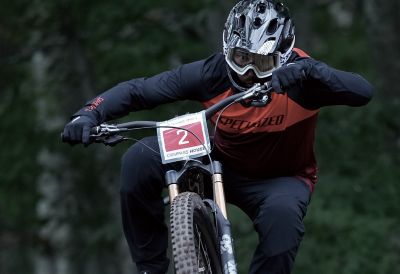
258 35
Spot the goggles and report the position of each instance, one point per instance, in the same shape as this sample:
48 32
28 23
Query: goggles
241 61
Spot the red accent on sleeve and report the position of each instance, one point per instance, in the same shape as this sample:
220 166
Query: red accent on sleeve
300 52
94 104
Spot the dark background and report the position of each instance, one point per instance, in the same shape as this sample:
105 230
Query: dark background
59 207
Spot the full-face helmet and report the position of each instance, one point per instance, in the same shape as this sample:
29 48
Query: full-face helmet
259 35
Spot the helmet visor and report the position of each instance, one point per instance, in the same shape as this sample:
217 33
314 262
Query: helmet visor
241 60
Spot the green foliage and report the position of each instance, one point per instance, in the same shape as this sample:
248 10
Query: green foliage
18 173
85 47
343 240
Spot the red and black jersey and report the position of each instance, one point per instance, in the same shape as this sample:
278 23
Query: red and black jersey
271 141
258 142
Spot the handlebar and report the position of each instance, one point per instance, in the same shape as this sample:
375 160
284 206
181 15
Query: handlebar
104 132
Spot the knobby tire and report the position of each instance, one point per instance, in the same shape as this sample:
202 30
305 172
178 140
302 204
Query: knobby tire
194 245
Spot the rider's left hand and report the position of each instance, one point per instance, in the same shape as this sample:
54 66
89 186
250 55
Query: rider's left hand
289 75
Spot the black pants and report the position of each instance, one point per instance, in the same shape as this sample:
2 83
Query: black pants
276 206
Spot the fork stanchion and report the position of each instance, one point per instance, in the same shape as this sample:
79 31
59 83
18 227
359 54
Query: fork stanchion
219 195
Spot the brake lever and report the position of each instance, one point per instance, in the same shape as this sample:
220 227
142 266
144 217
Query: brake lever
108 140
258 96
113 140
104 130
107 134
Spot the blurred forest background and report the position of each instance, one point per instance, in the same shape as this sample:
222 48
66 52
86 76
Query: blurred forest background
59 206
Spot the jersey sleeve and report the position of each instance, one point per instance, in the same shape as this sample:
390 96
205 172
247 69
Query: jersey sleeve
191 81
329 86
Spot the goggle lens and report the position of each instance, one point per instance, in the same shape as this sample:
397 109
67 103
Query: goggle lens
241 61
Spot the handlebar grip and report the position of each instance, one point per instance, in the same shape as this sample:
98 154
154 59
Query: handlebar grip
93 131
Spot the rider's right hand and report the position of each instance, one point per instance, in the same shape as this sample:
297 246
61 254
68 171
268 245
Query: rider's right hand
78 130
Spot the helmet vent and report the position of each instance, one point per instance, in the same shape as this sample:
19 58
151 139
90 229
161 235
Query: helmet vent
273 26
257 22
242 21
261 8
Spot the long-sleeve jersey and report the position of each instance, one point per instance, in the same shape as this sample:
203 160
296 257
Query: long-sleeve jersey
257 142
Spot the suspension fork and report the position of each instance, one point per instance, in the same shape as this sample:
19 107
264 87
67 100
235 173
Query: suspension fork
172 185
224 239
218 206
218 188
171 181
214 169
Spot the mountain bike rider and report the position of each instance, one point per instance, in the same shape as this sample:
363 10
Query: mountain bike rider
266 148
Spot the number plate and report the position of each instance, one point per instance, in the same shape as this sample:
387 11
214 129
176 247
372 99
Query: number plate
184 137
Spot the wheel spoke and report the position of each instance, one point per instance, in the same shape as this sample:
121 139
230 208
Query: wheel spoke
202 255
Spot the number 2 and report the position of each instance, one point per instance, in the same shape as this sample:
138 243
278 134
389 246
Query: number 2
182 141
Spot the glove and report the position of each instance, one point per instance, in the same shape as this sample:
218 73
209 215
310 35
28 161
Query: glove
78 130
290 75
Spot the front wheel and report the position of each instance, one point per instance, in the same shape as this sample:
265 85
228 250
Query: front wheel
193 238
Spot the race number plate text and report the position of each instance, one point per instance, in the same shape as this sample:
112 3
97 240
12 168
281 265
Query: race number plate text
184 137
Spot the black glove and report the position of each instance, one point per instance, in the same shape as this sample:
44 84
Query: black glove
290 75
78 130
